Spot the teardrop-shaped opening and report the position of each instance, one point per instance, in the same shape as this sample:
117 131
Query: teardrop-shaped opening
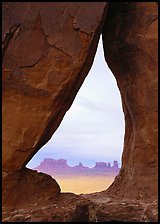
84 154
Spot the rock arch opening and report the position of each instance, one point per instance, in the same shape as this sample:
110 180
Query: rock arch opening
91 134
48 49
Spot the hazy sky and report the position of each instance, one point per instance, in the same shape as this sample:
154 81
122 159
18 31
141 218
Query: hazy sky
93 128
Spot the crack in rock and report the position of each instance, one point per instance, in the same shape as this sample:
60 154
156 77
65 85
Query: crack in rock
9 37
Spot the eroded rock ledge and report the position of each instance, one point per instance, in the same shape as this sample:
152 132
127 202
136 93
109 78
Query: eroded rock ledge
69 207
24 187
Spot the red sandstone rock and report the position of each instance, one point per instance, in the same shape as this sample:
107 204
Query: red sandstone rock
48 49
76 208
130 38
26 186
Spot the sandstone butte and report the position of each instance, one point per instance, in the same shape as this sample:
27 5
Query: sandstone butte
48 49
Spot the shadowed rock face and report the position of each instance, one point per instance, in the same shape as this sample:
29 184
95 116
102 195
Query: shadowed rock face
25 187
130 38
48 49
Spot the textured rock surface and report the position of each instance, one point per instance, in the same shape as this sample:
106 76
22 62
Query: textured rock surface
130 37
84 208
60 210
48 49
22 188
104 208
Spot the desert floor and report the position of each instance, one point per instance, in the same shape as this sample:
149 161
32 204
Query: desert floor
82 184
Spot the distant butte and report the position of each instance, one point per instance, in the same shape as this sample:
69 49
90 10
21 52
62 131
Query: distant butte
60 166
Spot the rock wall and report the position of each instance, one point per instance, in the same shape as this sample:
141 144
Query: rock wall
48 49
130 38
22 188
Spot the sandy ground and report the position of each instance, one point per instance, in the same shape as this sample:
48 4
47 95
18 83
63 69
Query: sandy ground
84 184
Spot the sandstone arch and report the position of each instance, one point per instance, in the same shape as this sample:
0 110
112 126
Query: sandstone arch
42 73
